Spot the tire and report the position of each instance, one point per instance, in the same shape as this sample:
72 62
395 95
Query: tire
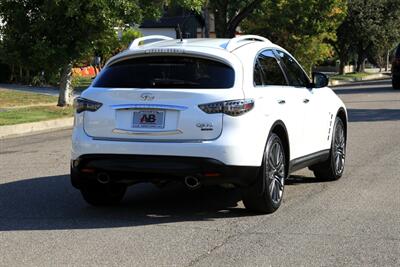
265 195
103 195
332 169
396 83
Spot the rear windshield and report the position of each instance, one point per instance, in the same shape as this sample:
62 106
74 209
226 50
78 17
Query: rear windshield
167 72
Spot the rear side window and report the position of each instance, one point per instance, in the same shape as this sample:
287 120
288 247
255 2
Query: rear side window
295 73
167 72
267 70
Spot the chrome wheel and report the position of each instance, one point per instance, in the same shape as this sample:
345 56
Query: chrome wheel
275 171
339 152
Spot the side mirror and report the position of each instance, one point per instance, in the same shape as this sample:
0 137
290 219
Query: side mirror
319 80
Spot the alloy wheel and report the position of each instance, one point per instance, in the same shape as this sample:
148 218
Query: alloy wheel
339 152
275 171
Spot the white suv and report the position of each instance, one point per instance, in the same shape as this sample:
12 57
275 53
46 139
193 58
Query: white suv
236 111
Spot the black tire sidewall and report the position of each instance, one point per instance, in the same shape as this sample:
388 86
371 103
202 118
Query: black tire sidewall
266 181
332 152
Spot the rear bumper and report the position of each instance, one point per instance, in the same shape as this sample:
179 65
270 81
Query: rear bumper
139 168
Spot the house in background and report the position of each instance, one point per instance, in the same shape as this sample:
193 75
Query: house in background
192 25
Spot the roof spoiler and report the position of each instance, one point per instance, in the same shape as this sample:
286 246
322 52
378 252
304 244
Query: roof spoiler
136 43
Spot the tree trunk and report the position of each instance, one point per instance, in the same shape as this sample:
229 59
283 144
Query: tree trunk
12 76
220 23
342 67
27 76
21 75
387 60
206 16
235 21
360 63
65 97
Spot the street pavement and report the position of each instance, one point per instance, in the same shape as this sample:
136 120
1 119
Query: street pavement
351 222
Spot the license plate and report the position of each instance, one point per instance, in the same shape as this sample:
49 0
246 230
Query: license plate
149 119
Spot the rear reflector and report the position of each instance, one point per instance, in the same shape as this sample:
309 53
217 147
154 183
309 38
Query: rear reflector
88 170
231 107
212 174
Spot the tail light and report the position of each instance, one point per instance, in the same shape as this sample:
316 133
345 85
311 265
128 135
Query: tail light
231 107
82 104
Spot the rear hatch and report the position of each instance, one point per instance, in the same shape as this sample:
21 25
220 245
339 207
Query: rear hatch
158 97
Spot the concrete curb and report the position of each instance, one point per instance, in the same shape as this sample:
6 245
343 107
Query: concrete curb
373 77
35 127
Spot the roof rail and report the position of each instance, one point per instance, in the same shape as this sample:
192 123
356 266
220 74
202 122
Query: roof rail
136 42
234 42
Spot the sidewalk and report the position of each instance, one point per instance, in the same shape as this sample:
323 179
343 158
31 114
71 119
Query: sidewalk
372 77
53 91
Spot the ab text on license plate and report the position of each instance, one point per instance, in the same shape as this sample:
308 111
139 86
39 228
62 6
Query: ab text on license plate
148 119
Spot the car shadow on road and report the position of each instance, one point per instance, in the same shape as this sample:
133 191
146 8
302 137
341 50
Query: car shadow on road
50 203
359 115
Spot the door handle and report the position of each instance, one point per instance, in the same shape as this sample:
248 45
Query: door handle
281 101
305 101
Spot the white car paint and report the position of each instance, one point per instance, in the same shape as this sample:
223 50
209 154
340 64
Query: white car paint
235 141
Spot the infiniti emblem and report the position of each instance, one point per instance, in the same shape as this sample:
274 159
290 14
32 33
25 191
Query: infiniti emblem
147 97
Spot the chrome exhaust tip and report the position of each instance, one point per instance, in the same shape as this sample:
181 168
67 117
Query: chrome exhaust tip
192 182
103 178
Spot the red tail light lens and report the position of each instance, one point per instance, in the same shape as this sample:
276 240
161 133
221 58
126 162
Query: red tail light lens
82 104
231 107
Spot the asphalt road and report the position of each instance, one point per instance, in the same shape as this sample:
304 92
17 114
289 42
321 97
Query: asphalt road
354 221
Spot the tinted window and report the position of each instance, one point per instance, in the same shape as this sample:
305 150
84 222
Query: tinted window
167 72
267 70
295 73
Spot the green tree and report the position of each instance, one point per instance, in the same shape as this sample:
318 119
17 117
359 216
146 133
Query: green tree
372 27
301 26
230 14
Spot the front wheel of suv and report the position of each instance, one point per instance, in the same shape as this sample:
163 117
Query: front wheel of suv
98 194
265 195
333 168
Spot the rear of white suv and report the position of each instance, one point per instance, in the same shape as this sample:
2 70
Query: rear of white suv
171 111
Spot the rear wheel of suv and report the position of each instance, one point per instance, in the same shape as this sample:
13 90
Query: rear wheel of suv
333 168
396 83
98 194
265 196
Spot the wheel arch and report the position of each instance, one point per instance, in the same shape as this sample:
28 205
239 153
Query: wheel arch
342 114
279 129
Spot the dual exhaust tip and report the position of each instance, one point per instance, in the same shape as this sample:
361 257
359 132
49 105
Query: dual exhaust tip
192 182
103 178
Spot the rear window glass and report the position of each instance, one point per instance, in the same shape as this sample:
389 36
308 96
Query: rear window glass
167 72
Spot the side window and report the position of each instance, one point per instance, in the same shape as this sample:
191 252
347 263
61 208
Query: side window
267 70
295 73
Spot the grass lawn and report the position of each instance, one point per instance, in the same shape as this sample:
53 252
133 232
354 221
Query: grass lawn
350 76
12 98
33 114
81 83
